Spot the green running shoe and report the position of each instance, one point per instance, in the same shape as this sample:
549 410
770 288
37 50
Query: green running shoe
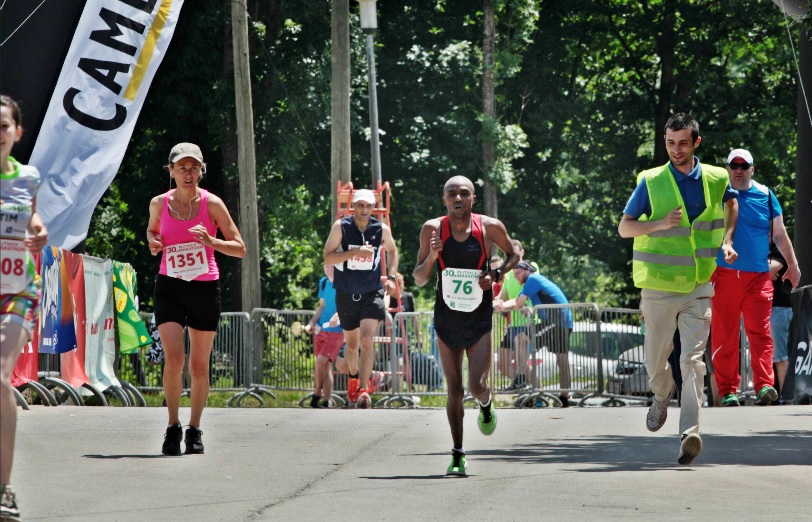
767 395
487 419
730 399
457 466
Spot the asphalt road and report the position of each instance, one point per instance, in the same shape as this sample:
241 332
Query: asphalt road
104 464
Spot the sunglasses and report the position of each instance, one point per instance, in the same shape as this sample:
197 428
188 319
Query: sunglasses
736 166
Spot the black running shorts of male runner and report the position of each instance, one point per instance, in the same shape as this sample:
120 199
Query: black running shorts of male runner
195 304
354 307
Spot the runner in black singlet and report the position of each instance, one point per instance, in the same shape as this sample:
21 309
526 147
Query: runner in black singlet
459 330
461 243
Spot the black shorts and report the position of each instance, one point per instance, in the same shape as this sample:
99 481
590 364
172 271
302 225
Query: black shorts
354 307
195 304
553 337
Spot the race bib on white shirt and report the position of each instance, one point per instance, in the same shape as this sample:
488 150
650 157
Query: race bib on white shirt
13 266
14 220
186 261
359 263
461 291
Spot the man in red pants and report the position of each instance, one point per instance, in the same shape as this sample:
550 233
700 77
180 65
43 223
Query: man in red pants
745 288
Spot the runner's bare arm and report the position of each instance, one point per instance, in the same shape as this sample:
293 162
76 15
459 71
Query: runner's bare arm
391 249
496 233
154 226
36 227
334 256
232 243
430 246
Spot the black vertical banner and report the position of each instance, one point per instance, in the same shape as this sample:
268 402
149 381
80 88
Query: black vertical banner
798 382
35 38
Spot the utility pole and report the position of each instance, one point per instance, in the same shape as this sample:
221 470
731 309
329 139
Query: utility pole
340 151
797 10
246 158
803 171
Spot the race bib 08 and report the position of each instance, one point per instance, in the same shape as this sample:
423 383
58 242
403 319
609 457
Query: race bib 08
13 266
186 261
461 291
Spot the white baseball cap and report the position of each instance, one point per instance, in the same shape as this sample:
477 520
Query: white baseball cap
364 195
740 153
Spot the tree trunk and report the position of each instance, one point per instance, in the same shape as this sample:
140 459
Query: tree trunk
340 152
666 47
228 146
488 108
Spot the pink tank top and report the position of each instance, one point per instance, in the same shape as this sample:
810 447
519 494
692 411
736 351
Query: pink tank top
175 231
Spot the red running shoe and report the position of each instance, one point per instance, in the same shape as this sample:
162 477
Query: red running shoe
375 381
364 400
352 390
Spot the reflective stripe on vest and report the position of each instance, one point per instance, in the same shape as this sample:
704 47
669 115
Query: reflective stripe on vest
677 259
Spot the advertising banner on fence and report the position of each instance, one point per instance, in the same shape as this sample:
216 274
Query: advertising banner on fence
116 50
799 374
73 362
132 333
100 344
57 332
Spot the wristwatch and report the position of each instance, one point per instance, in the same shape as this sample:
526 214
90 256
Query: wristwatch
392 278
498 273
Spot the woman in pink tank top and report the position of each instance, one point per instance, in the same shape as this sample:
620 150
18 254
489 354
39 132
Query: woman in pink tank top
183 226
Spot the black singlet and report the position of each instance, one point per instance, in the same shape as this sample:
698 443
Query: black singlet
459 330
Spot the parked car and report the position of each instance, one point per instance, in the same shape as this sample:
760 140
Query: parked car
629 376
614 340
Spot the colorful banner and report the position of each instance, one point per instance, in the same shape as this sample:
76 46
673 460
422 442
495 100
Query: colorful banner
132 332
116 50
57 332
73 362
100 340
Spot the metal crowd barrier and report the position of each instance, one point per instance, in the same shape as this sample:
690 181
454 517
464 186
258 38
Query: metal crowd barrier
270 350
553 351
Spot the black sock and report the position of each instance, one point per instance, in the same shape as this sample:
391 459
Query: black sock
354 376
314 400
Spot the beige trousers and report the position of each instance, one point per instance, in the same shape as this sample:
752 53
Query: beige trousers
663 313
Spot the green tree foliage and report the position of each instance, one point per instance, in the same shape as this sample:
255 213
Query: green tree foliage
582 93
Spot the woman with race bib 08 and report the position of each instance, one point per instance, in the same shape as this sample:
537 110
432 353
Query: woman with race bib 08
23 234
183 227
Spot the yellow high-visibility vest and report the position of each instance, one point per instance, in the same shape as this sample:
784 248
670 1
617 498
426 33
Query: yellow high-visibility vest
677 259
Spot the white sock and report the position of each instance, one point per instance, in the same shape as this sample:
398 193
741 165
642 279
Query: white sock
461 450
485 404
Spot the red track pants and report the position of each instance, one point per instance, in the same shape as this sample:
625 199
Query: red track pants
747 294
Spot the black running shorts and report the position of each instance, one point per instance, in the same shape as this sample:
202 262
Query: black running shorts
354 307
195 304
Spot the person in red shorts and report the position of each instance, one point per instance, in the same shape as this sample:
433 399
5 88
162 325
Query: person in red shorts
328 338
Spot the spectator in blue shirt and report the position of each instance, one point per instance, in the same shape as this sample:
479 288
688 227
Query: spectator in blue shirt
555 326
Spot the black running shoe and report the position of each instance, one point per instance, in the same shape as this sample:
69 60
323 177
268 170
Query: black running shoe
194 441
172 439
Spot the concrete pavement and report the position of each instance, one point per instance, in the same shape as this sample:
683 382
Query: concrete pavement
104 464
